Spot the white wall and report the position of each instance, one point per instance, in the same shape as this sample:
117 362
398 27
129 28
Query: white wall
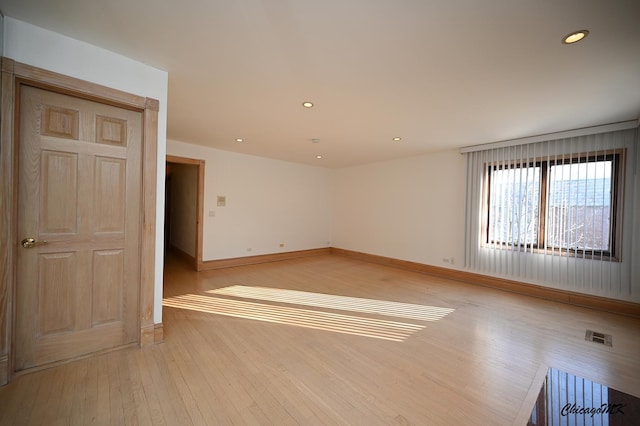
413 209
268 202
38 47
410 209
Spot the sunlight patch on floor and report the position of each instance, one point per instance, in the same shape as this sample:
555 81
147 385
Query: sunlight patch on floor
319 320
331 301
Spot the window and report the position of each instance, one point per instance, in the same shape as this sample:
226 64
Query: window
566 205
557 210
514 204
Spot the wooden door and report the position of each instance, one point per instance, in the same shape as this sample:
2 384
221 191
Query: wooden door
79 189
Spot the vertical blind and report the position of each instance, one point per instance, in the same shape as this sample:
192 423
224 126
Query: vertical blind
558 212
566 399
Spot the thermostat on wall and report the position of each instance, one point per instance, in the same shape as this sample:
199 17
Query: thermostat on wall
222 200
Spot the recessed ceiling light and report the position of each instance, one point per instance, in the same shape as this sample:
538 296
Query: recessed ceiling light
315 140
239 140
397 138
318 157
307 104
575 37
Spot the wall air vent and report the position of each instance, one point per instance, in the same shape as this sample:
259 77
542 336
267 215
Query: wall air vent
597 337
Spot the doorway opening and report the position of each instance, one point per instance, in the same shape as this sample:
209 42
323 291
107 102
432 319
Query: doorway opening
184 201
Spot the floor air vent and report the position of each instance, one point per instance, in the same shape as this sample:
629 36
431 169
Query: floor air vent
597 337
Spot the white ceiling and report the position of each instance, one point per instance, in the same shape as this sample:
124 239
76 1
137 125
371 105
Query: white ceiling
441 74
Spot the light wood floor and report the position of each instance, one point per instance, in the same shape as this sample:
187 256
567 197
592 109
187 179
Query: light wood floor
467 356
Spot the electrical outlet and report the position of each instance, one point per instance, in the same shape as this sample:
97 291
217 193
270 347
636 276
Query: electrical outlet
281 244
249 249
445 260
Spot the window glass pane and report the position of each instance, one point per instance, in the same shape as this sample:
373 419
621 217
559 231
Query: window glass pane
514 198
579 206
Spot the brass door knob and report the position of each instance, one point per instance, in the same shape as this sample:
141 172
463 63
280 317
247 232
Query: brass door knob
32 242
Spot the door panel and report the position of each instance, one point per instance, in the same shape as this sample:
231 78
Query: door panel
109 195
59 193
79 181
108 284
56 281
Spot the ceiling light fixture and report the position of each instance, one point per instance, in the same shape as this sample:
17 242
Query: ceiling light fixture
318 157
397 138
307 104
574 37
239 140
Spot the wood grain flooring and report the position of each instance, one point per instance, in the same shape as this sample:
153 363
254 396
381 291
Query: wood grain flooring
231 356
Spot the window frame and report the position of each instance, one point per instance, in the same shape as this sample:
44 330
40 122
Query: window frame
613 253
